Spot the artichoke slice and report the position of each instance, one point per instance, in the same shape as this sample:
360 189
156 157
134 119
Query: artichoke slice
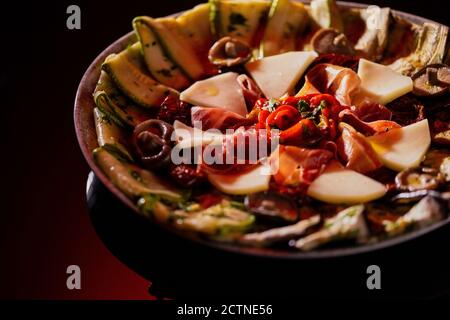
327 14
424 213
222 220
430 48
347 224
374 40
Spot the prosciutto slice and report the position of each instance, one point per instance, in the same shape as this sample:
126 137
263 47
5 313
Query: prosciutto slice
343 83
217 118
358 154
298 167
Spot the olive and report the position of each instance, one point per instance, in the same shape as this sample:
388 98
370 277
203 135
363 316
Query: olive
229 52
331 41
432 81
273 206
415 179
151 140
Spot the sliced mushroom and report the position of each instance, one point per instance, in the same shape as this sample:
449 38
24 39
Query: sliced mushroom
331 41
273 206
229 52
419 179
274 235
432 81
445 169
347 224
442 137
426 212
152 143
414 196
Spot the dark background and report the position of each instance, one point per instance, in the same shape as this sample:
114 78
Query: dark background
44 225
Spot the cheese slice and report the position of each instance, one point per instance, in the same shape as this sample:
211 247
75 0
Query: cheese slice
278 75
253 181
339 185
402 148
222 91
380 83
189 137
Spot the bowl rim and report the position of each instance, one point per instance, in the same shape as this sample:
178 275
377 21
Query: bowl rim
84 105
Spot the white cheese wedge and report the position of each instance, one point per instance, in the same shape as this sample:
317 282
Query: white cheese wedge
382 84
222 91
253 181
402 148
188 137
339 185
278 75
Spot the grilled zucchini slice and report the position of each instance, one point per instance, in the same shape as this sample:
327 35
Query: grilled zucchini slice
133 81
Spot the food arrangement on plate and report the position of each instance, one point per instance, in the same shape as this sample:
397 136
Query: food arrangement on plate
276 123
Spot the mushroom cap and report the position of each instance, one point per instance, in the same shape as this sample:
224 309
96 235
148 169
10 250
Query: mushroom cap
331 41
431 81
229 52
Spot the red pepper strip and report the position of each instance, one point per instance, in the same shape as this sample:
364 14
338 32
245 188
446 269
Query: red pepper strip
283 117
304 133
290 100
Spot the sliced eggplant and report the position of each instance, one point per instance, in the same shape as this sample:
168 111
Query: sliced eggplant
132 180
274 235
347 224
426 212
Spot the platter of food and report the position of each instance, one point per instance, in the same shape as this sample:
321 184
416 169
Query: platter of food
275 128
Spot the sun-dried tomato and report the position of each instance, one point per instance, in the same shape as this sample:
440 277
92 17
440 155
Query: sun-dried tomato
186 175
173 109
